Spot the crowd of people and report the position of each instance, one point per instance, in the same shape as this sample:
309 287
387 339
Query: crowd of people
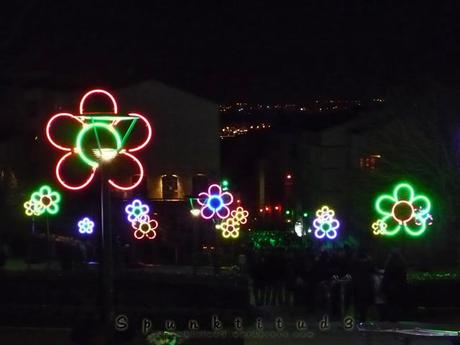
331 281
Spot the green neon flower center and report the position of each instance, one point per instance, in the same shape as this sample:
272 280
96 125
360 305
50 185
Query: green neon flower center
326 226
98 142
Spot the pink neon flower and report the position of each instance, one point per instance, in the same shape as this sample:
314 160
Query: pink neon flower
214 202
145 227
106 127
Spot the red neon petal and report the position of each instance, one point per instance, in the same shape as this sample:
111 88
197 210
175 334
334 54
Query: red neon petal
139 180
154 224
149 133
152 235
97 91
138 234
65 184
48 129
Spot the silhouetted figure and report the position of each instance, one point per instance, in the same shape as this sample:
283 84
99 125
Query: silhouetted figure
257 268
394 285
363 285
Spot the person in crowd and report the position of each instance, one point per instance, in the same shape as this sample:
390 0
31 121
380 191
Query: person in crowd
257 268
362 285
394 285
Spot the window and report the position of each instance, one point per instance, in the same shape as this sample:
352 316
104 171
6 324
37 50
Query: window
369 162
199 184
170 186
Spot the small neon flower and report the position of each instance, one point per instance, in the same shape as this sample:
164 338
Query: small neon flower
403 210
427 217
46 200
33 208
379 227
86 226
145 227
240 215
215 202
136 209
325 223
230 228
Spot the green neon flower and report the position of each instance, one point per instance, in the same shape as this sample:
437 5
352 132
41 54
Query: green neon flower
47 200
403 210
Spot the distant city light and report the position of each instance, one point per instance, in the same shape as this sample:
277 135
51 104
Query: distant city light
298 228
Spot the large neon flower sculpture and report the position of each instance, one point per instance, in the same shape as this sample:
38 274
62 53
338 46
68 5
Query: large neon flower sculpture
325 223
403 210
215 202
98 141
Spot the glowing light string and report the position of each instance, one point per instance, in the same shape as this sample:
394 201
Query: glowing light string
215 202
403 209
114 143
325 223
86 226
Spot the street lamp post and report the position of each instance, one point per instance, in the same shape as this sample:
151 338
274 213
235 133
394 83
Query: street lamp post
96 152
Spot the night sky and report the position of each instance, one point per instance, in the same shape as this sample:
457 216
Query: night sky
228 50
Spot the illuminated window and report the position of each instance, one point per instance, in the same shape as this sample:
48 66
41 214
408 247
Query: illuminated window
170 186
369 162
